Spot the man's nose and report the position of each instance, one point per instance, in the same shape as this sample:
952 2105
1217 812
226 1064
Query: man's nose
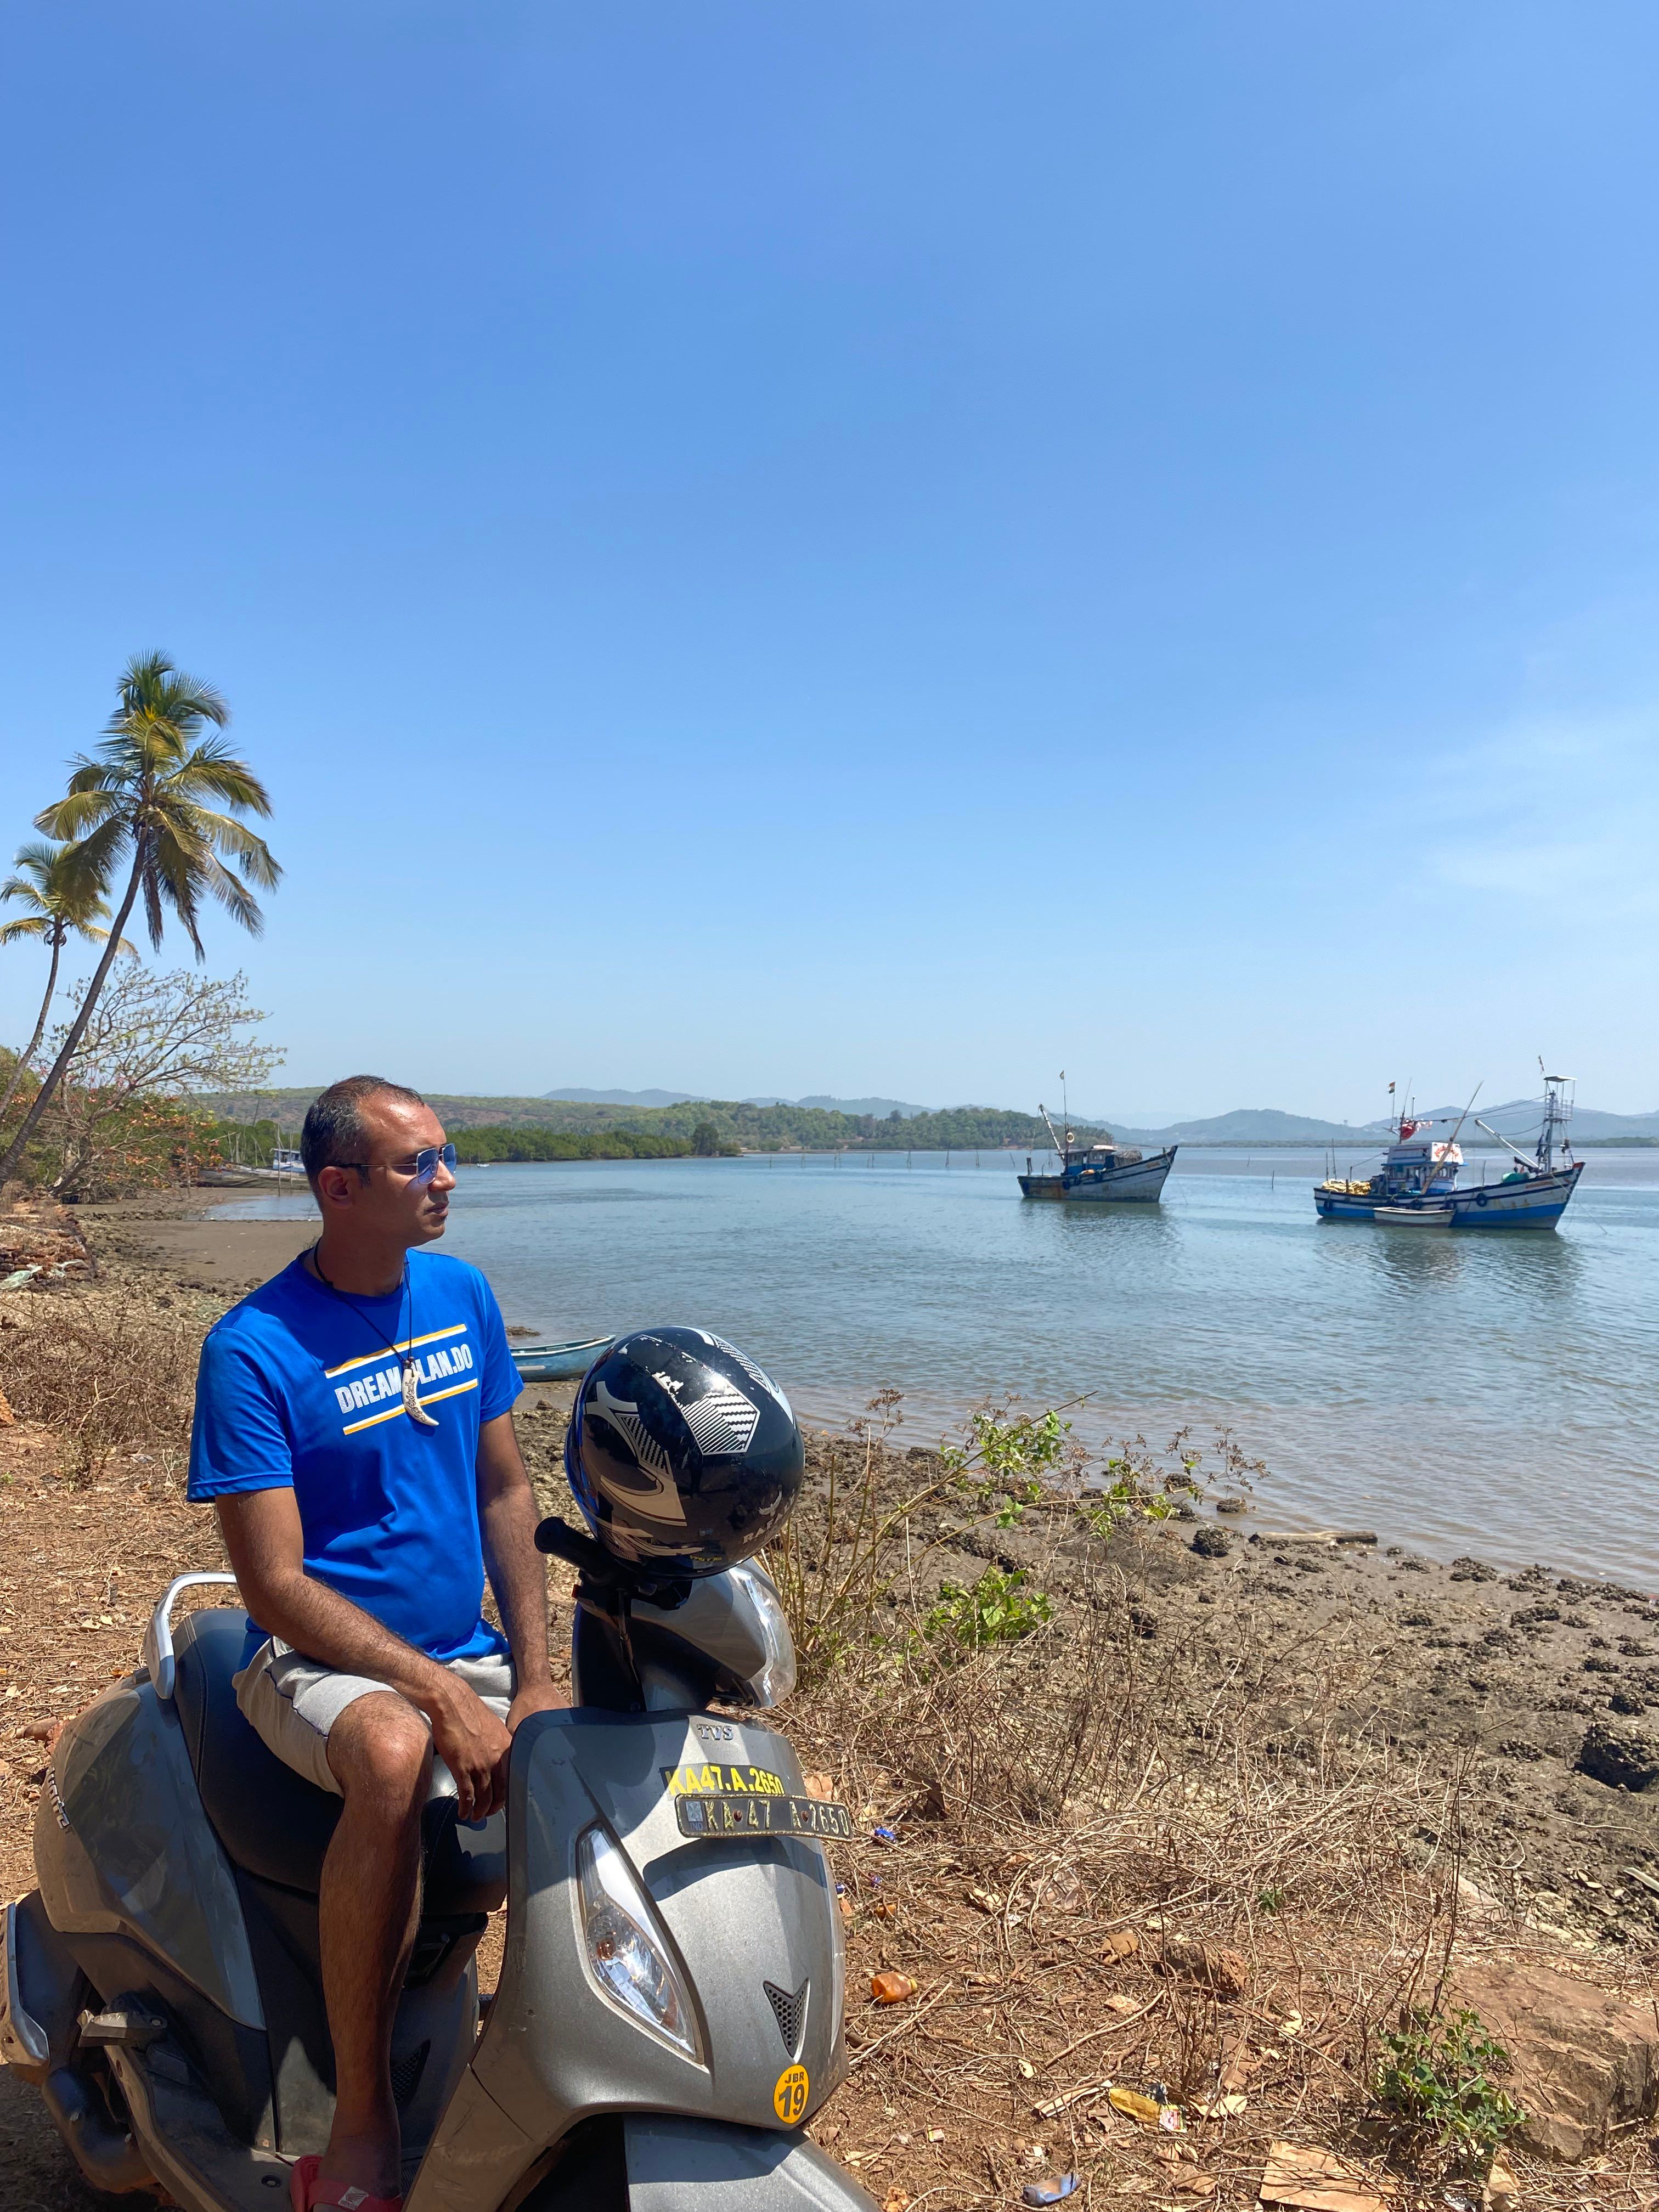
444 1179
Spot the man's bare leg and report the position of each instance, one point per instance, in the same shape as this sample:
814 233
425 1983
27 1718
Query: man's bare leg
381 1753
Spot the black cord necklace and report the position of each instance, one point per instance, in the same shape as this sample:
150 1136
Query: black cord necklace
412 1406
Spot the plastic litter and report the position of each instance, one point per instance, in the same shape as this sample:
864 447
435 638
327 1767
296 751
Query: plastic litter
883 1835
1137 2107
1169 2120
1035 2193
1159 2092
891 1989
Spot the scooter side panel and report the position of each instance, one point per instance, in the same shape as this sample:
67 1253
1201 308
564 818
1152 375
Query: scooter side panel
122 1846
702 2165
739 1914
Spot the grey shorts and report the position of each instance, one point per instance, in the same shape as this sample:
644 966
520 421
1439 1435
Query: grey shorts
292 1701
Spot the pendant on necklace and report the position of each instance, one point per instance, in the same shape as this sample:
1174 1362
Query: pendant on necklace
412 1406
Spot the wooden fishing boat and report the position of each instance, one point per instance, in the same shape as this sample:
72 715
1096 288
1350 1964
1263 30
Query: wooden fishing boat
558 1362
1417 1185
1103 1173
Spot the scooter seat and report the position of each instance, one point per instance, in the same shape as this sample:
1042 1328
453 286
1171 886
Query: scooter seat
276 1825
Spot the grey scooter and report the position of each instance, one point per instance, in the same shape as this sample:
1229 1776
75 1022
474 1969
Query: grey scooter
669 2010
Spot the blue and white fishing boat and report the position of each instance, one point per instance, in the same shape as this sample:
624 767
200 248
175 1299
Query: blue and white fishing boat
1419 1185
1103 1173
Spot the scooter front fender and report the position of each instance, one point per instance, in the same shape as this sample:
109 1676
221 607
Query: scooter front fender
677 2165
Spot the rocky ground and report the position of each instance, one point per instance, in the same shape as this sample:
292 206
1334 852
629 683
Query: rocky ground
1194 1836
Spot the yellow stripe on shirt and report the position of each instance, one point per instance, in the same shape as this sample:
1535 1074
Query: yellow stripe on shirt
391 1412
409 1344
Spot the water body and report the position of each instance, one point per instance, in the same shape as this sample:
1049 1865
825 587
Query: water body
1459 1391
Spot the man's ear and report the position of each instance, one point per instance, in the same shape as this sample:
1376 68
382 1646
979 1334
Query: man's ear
336 1185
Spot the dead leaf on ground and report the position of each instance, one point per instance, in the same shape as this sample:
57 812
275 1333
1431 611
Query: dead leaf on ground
1226 2107
898 2201
986 1901
819 1785
1315 2181
1121 1943
1118 2003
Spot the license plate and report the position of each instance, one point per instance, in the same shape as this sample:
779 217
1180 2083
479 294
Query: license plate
723 1815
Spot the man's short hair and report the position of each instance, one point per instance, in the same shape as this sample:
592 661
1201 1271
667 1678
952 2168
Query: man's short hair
334 1135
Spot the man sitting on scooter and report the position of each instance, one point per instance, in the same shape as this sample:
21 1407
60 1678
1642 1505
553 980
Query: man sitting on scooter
354 1430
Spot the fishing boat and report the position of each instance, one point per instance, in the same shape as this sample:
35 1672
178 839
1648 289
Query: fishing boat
1417 1185
558 1362
1100 1173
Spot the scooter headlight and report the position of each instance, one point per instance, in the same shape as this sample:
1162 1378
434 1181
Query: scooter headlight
627 1949
775 1678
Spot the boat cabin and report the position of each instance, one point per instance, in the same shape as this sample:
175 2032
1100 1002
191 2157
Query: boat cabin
1416 1166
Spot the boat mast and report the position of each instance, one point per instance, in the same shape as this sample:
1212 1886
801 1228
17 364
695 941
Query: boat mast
1558 1112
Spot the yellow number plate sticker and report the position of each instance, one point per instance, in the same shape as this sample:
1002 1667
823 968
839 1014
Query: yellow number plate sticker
716 1780
789 2098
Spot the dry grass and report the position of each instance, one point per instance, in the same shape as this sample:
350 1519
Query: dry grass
111 1373
1140 1844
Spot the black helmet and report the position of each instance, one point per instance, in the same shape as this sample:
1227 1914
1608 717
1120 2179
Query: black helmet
682 1454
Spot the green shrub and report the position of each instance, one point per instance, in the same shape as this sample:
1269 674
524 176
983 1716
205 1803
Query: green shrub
1435 2076
996 1610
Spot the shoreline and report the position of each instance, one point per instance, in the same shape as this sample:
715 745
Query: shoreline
1280 1689
1515 1667
184 1234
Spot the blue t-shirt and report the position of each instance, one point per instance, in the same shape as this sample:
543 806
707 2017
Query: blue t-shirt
299 1390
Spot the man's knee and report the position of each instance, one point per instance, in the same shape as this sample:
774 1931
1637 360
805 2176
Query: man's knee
379 1752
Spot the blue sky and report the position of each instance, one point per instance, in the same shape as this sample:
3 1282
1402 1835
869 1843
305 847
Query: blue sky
869 548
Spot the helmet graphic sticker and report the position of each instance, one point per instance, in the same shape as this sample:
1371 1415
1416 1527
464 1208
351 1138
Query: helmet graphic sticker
722 1420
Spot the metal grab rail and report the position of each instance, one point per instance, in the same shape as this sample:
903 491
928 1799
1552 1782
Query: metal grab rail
159 1662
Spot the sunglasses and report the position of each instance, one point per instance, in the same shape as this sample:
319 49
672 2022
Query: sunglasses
425 1164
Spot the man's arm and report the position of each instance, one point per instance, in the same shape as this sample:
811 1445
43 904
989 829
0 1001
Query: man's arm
518 1573
261 1530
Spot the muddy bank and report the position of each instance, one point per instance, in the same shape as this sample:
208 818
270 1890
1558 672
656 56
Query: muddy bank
186 1237
1308 1766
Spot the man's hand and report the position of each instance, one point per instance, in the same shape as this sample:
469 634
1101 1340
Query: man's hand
536 1697
473 1744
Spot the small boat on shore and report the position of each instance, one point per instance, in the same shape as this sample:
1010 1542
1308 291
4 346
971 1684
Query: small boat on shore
1102 1173
1417 1185
558 1362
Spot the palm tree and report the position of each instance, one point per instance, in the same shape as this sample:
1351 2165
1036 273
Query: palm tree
146 794
63 898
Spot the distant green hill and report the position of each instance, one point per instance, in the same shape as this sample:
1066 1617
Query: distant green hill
757 1128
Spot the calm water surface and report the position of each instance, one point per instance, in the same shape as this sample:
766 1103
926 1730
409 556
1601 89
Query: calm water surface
1459 1391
